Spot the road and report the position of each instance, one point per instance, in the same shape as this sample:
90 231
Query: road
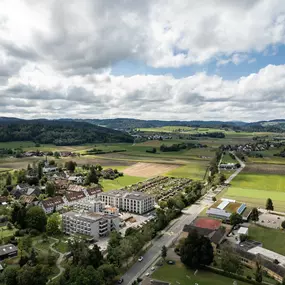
173 231
58 261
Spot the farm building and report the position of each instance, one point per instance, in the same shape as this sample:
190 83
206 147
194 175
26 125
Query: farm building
223 209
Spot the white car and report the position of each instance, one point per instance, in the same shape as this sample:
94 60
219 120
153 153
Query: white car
140 259
147 274
153 268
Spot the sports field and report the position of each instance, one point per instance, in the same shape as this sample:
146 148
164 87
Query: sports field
179 274
270 238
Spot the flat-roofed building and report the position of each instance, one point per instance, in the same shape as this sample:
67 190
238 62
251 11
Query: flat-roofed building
7 251
135 202
92 224
95 205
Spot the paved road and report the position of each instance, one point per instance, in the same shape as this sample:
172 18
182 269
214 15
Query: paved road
173 231
59 260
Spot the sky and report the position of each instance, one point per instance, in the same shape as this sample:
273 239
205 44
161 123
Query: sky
151 59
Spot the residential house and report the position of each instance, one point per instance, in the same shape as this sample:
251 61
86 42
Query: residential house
33 191
94 205
75 188
73 197
4 200
29 200
51 204
76 179
8 251
93 192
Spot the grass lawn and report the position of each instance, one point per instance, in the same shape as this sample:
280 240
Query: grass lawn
228 159
196 170
178 273
120 182
62 246
269 182
271 239
5 232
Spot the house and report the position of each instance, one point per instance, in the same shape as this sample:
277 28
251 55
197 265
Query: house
92 193
51 204
92 224
8 251
73 197
76 179
75 188
3 200
33 191
94 205
209 228
29 200
17 193
50 169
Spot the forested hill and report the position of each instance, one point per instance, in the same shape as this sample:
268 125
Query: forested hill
58 132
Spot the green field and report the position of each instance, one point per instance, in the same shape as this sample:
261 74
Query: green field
178 273
195 171
254 189
228 159
270 238
120 182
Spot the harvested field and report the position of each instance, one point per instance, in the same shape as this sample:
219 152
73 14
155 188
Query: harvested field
264 168
142 169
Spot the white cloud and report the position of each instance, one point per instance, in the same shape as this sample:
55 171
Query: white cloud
145 96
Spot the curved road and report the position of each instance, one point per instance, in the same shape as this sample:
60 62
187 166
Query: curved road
59 260
173 231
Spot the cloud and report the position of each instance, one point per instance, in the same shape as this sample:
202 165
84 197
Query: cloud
103 95
78 37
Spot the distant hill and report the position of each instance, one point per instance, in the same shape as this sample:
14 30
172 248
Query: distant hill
58 132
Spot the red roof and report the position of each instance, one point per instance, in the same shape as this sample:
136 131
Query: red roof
73 196
52 202
94 191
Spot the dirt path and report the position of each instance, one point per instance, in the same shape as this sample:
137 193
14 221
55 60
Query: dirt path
59 260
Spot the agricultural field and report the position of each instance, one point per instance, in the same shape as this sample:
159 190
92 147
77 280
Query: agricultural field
148 169
179 274
228 159
270 238
120 182
196 170
256 183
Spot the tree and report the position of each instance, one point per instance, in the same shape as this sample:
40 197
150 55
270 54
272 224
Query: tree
235 219
70 165
258 272
95 256
269 205
21 176
196 251
230 261
5 192
283 225
32 275
9 179
10 276
254 215
50 189
56 154
53 224
33 257
40 170
214 199
92 176
163 252
36 218
109 272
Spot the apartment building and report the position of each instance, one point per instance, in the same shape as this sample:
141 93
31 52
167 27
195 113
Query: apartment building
96 225
135 202
94 205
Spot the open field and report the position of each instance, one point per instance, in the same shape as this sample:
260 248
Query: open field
270 238
196 170
148 169
228 159
177 274
120 182
257 168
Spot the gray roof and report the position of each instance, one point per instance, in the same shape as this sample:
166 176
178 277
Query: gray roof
218 212
135 195
88 217
7 248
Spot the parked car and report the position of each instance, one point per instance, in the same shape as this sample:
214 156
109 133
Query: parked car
120 281
171 262
140 259
153 268
147 274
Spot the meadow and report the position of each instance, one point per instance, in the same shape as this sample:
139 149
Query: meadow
270 238
120 182
179 274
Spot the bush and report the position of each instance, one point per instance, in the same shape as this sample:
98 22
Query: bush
9 226
248 277
20 233
34 232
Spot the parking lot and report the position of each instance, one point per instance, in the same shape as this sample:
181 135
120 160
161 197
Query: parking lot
270 220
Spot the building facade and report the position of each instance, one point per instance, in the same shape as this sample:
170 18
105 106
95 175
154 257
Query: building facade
135 202
94 205
96 225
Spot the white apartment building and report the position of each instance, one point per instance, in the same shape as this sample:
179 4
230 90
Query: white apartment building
135 202
94 205
92 224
